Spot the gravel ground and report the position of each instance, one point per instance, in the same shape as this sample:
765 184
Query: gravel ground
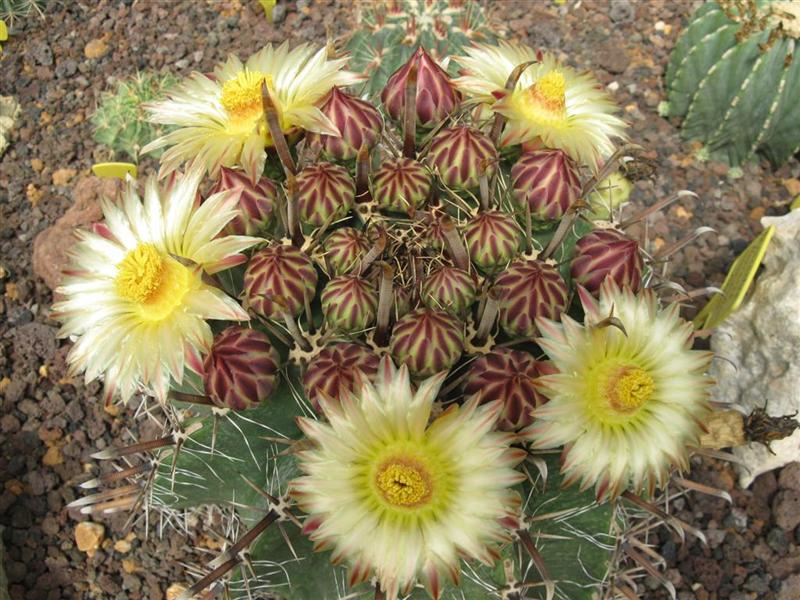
57 68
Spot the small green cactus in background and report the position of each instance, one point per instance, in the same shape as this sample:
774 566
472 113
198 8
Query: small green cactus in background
11 10
390 30
734 79
120 121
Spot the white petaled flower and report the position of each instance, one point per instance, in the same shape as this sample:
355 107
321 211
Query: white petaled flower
220 118
402 500
630 395
134 294
552 104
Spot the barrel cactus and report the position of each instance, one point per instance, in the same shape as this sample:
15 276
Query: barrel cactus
421 333
734 78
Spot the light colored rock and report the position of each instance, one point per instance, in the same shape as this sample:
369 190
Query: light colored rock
758 348
89 536
96 48
9 111
175 590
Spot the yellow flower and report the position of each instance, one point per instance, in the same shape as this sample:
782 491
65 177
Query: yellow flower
220 118
552 104
134 294
627 401
402 500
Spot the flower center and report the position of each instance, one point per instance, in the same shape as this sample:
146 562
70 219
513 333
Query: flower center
404 482
545 100
627 388
155 282
241 96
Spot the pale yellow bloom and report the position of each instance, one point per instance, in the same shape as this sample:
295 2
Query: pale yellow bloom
220 118
134 295
402 500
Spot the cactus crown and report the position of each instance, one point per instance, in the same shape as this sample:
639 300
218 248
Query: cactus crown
432 250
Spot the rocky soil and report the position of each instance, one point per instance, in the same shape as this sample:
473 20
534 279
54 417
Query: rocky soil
51 422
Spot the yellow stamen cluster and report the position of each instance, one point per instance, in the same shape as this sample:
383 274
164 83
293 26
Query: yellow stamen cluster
628 388
548 94
155 282
241 96
404 482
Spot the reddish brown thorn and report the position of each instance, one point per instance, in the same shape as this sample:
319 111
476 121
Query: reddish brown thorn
538 561
385 302
410 114
115 476
511 83
455 245
645 564
275 132
362 175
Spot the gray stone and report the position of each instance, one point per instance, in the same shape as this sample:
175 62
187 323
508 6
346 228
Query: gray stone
758 346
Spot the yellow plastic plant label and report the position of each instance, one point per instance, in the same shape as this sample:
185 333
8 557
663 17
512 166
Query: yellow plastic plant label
268 5
3 31
736 283
115 169
795 203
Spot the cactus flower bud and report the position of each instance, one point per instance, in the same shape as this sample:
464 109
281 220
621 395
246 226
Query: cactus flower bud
325 192
607 253
548 181
279 278
436 95
333 371
359 123
256 202
449 289
427 341
462 155
344 249
493 240
349 304
400 184
527 290
241 369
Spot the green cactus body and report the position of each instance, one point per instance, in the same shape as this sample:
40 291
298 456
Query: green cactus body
730 78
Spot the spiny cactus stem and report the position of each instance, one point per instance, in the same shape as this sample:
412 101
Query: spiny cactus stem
294 330
561 232
272 329
125 490
703 489
511 83
645 564
455 245
681 527
668 251
655 208
275 132
292 230
233 553
373 253
385 301
191 398
484 190
491 307
410 114
362 175
115 476
527 543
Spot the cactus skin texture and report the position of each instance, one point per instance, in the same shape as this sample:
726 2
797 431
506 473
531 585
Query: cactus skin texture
734 80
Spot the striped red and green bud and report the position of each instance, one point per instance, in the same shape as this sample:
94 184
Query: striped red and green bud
344 249
334 370
607 253
510 376
527 290
256 201
349 304
325 193
359 124
493 240
461 155
547 180
427 341
436 97
278 279
401 184
241 369
450 289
